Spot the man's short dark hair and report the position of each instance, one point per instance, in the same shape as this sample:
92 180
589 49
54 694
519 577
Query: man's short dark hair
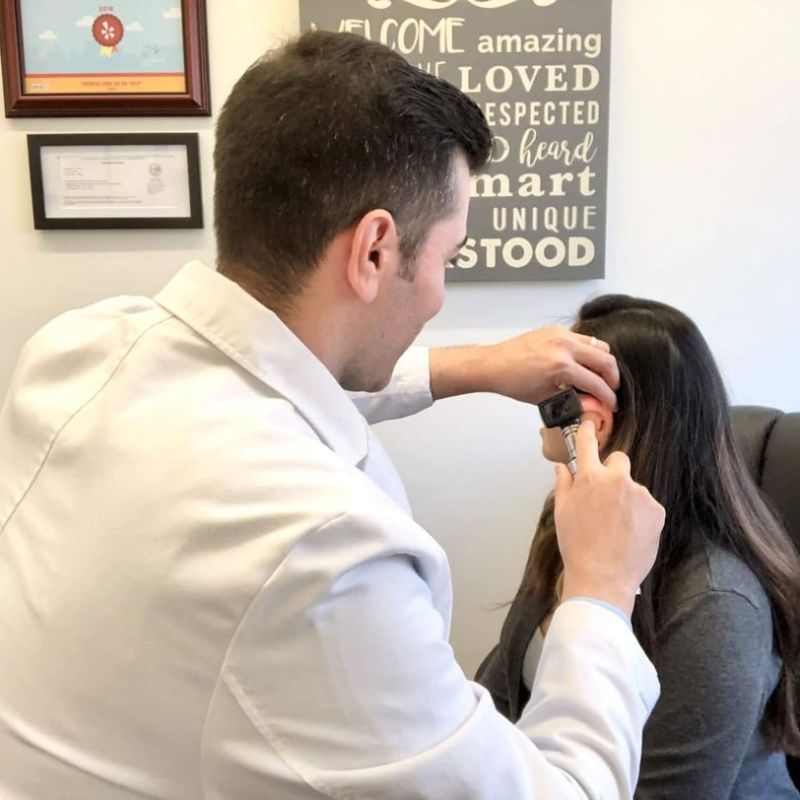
321 131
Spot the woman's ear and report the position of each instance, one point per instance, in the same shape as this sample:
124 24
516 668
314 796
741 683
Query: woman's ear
601 415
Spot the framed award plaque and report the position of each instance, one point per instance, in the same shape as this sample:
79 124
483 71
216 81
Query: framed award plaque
120 58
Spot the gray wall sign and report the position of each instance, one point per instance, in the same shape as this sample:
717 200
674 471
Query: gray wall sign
539 69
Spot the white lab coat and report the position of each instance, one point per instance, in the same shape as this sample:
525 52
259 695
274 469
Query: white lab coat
211 585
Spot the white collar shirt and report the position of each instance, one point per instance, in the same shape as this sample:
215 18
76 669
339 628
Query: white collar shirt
211 585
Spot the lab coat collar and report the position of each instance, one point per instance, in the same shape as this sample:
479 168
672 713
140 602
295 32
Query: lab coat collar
256 339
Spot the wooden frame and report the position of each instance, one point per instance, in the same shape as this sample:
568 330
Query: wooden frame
194 99
126 140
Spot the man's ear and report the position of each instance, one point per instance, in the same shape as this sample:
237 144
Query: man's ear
374 253
600 414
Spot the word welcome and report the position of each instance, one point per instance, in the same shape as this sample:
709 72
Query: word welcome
439 5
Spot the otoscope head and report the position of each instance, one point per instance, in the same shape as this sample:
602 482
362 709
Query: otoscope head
561 409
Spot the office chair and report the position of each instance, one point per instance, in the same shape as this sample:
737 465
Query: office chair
769 442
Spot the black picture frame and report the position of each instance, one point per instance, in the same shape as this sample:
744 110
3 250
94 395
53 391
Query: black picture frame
43 222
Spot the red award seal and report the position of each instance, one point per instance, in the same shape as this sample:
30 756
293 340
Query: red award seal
107 31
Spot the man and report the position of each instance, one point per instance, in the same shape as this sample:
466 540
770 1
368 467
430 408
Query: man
211 585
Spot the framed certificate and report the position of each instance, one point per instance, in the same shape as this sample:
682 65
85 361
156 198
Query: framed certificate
115 180
120 58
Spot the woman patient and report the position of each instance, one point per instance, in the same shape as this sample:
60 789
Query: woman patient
719 615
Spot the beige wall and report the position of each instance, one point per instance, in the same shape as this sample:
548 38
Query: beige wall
704 208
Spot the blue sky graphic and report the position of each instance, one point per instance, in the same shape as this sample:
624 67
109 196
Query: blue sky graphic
57 37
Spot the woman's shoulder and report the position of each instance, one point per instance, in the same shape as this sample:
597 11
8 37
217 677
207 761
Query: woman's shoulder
714 570
716 613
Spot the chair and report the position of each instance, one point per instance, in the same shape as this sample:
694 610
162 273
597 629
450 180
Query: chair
769 442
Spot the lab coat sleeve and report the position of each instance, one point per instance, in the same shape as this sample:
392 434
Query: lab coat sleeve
346 687
408 392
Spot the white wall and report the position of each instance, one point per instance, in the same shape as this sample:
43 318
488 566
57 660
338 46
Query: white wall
704 180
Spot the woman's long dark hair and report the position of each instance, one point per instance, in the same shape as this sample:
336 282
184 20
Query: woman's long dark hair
674 424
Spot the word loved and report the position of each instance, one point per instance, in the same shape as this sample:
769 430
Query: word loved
550 77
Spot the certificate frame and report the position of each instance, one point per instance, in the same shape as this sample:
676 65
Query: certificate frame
95 145
110 93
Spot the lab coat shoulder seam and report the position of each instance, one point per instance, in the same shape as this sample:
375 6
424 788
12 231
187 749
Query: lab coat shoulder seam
225 676
257 721
60 429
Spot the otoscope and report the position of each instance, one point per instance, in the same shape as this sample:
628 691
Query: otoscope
563 410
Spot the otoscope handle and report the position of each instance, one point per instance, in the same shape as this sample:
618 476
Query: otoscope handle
568 432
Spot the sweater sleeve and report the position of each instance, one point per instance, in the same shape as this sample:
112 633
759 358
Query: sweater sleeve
491 675
713 660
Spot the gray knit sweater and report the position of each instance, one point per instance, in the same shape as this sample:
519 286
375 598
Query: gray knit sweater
717 669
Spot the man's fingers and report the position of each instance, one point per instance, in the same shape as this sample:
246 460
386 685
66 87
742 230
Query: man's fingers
618 462
584 380
599 361
588 455
563 481
594 342
593 369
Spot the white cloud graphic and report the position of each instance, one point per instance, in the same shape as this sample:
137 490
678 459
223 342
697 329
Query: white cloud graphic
134 27
84 22
48 35
173 13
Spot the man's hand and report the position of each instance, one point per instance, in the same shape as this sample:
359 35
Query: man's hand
608 526
530 367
